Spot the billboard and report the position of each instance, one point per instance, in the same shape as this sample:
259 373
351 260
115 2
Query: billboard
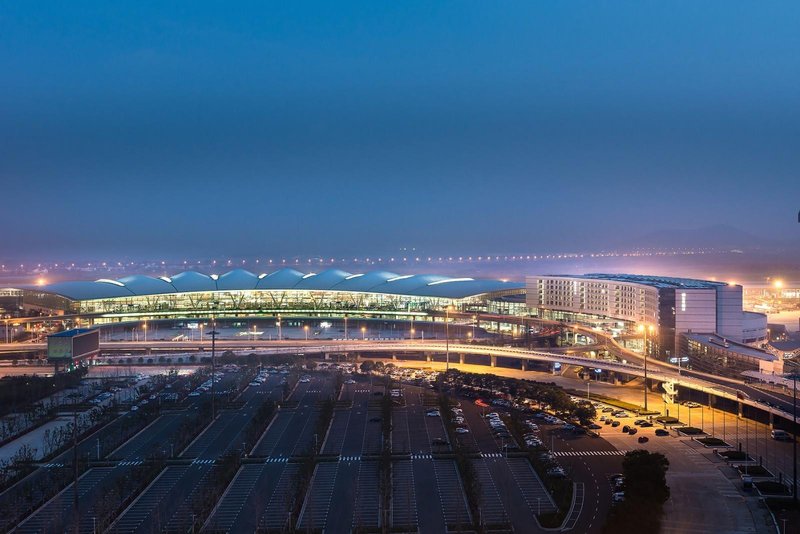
73 344
59 348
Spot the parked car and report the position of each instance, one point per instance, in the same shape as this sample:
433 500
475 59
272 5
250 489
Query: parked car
643 439
662 432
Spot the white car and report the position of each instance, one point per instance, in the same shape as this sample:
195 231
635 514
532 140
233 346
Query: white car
434 413
462 430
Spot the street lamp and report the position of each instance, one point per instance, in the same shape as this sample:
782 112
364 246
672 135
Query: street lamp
447 336
345 327
469 337
363 333
794 377
474 322
644 329
412 333
213 335
144 328
305 328
278 324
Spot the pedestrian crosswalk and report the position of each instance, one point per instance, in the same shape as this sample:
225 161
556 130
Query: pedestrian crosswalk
51 465
491 455
276 460
421 456
131 463
590 453
349 458
198 461
361 391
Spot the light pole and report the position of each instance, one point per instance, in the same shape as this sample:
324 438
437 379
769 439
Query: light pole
447 336
644 329
345 327
278 324
305 329
474 322
794 376
363 333
144 328
213 334
412 333
201 333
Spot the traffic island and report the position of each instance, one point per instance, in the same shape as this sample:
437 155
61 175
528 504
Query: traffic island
755 471
690 431
735 456
772 488
668 420
712 442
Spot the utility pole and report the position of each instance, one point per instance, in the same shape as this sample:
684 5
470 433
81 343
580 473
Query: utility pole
213 370
75 504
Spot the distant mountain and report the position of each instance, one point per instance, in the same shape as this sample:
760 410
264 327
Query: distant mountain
716 236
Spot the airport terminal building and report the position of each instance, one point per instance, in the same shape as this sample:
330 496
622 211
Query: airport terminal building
288 291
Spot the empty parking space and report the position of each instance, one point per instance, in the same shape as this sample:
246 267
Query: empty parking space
307 438
56 515
138 513
272 435
354 440
337 432
451 494
404 499
220 429
491 508
372 433
277 509
367 512
182 514
401 441
429 507
245 498
345 495
530 486
153 438
318 499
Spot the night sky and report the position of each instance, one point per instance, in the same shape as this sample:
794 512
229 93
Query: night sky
336 128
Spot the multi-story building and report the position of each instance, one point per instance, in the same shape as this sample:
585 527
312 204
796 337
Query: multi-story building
673 306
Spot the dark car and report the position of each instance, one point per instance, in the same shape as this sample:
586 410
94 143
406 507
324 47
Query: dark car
646 424
643 439
626 428
375 420
615 424
633 430
662 432
608 421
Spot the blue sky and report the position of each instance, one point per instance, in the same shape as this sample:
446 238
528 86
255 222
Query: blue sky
156 128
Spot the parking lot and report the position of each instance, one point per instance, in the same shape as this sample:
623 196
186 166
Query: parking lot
344 489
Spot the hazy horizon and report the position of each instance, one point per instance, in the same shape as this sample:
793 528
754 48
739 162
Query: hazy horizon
454 128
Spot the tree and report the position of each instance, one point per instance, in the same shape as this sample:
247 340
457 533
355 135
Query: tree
646 491
367 366
585 412
645 477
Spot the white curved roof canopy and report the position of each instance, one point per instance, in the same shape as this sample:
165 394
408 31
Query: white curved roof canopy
422 285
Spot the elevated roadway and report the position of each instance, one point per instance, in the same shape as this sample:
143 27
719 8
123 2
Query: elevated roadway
724 387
